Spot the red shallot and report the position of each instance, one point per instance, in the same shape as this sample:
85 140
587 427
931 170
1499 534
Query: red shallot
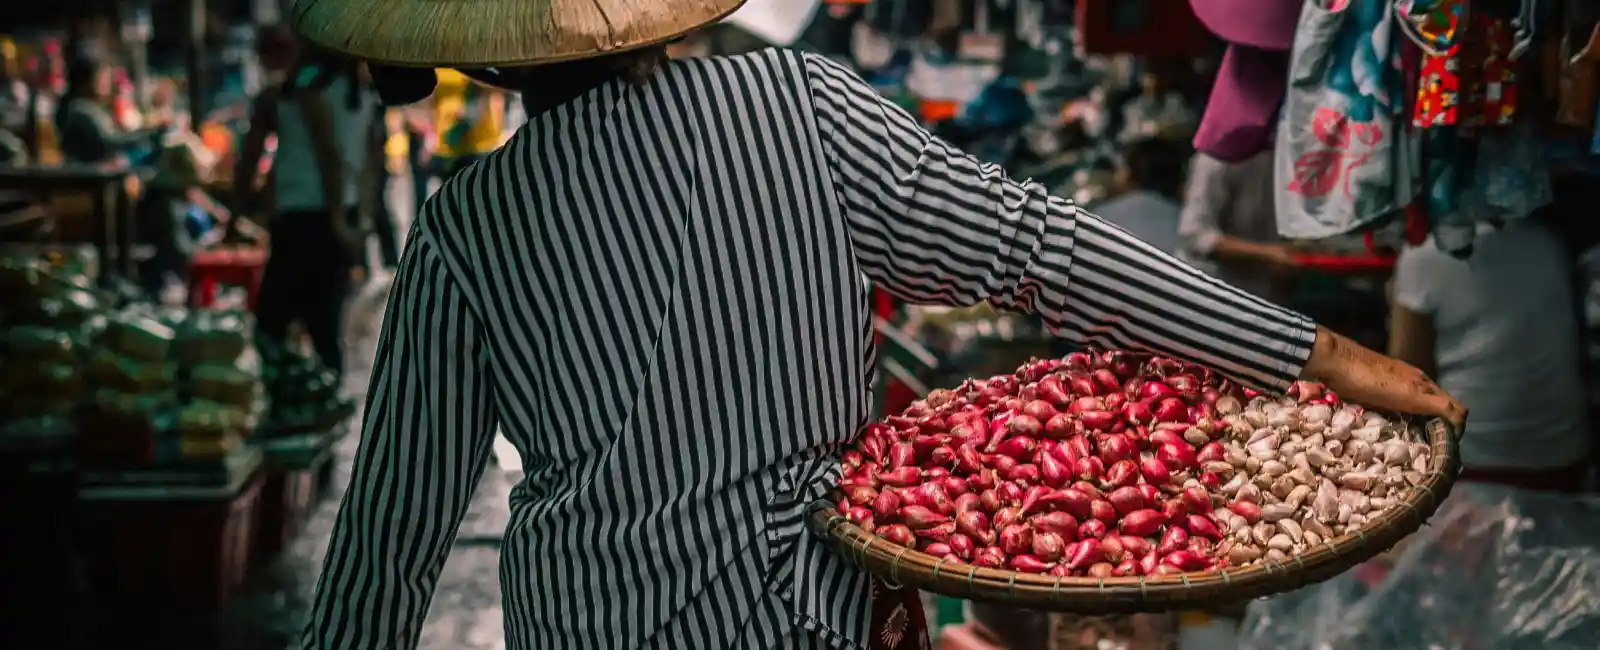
921 518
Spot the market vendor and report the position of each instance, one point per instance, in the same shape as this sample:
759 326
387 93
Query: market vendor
89 131
328 161
658 290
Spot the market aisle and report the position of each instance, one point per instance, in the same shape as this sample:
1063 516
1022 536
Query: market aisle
466 611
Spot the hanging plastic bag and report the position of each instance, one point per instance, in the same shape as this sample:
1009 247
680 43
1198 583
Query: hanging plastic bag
1495 569
1341 163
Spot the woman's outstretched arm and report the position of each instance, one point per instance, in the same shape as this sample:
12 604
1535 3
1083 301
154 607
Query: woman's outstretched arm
429 426
932 224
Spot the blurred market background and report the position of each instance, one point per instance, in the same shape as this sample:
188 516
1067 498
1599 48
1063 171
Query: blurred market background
171 477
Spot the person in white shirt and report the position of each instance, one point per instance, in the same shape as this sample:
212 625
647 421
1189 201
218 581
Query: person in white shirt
325 184
1499 330
1229 226
1148 182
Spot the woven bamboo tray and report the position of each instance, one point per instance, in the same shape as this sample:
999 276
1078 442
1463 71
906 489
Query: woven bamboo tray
898 565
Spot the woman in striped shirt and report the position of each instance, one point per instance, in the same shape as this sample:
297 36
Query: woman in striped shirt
658 290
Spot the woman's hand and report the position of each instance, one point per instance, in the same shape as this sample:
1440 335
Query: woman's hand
1365 377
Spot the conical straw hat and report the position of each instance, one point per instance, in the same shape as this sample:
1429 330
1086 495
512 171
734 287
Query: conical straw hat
486 33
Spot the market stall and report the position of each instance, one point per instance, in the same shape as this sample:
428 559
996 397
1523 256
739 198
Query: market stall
186 454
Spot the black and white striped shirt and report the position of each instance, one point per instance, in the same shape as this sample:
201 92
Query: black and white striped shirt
660 294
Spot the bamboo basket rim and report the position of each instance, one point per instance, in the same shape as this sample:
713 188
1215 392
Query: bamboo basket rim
899 565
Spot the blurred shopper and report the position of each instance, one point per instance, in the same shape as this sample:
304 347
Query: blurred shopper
1160 106
1499 331
327 164
1229 227
1148 184
470 120
16 105
417 121
396 145
88 129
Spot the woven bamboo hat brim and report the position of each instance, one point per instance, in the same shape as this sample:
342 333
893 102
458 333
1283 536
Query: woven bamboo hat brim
487 33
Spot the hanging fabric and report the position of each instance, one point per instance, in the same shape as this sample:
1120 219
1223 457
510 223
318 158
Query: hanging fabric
1243 110
1474 81
1249 88
1263 24
1431 24
1578 66
1477 169
1341 163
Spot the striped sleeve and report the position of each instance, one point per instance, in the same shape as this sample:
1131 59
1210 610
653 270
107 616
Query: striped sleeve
429 427
931 224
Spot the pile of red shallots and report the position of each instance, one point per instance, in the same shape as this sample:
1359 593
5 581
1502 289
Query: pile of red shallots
1119 464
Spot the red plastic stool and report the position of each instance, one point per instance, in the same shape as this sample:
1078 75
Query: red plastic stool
239 267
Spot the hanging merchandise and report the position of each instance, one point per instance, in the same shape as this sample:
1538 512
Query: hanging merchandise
1475 74
1263 24
1431 24
1342 163
1243 111
1477 168
1513 179
1578 65
1151 28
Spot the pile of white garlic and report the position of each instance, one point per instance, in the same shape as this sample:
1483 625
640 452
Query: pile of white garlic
1297 474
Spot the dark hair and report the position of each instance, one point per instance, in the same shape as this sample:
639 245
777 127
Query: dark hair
81 73
1155 164
398 86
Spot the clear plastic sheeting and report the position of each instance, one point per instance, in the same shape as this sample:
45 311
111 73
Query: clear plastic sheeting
1496 569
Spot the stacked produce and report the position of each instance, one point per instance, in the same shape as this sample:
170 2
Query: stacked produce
303 395
139 385
220 382
1115 464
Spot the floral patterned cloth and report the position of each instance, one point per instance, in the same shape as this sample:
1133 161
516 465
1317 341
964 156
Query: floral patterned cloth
1343 163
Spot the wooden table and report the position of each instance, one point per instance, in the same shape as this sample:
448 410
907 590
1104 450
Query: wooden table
290 493
162 555
115 235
